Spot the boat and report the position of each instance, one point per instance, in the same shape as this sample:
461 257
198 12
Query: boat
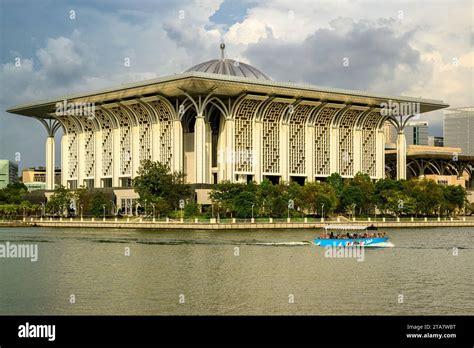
373 241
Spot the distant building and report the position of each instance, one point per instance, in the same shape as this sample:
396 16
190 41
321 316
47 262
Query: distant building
34 178
34 186
416 133
435 141
459 129
445 165
8 173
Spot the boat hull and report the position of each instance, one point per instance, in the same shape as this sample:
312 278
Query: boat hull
366 242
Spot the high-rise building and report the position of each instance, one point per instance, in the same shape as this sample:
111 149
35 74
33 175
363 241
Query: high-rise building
459 129
416 133
8 173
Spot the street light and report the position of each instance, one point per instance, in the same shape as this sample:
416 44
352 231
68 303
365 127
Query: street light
181 206
103 207
252 212
153 205
42 209
322 211
375 212
353 211
82 208
291 205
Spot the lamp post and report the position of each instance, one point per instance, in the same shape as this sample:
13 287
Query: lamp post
103 207
82 209
291 205
353 211
145 207
153 205
375 213
42 209
322 212
252 220
181 206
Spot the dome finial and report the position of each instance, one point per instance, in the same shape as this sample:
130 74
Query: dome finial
222 46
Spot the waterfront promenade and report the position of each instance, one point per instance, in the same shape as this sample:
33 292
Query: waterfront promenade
236 224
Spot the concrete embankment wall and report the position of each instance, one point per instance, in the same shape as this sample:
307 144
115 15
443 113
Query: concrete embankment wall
239 226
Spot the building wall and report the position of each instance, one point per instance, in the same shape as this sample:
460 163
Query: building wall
416 133
259 137
8 173
447 179
459 129
38 175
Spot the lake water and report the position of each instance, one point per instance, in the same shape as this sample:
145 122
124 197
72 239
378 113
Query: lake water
234 272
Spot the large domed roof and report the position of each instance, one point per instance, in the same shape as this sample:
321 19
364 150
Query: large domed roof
229 67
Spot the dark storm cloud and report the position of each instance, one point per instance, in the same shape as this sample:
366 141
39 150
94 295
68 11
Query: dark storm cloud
378 59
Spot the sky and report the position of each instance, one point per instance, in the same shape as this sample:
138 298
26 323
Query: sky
51 48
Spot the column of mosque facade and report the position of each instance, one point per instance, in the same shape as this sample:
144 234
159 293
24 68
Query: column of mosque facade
258 137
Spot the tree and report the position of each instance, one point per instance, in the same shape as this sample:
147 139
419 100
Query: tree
400 203
427 194
156 183
336 181
352 196
191 209
314 194
13 193
98 200
243 204
454 197
384 189
223 195
365 184
60 201
82 197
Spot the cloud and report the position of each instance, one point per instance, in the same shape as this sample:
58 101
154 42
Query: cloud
301 41
358 55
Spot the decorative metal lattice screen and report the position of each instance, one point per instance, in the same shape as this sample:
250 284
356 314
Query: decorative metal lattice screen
346 141
144 131
89 148
166 131
107 143
125 140
322 146
271 137
297 137
72 155
369 144
243 147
